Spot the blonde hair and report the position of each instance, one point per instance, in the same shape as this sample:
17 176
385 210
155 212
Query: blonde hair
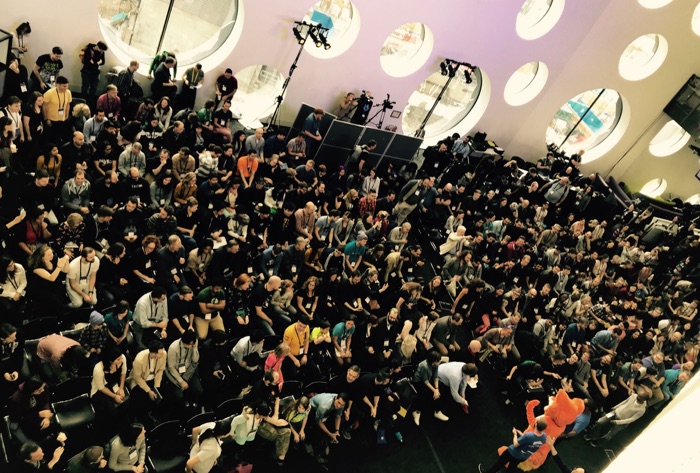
81 109
74 219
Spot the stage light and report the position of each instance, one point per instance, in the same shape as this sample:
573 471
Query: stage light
452 69
314 37
468 75
443 68
298 36
324 40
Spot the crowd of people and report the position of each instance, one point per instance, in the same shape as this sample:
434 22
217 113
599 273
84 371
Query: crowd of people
212 265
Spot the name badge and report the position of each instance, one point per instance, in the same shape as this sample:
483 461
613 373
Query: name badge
367 300
133 455
207 316
60 112
192 86
323 237
417 193
436 165
223 88
181 369
40 206
23 87
52 79
308 306
92 139
410 270
162 201
386 343
354 304
148 263
294 268
250 270
210 206
173 271
110 115
115 388
270 271
393 275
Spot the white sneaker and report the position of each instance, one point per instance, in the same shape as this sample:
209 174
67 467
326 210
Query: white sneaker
416 417
439 415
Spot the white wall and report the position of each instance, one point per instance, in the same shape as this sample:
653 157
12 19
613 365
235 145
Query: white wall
582 53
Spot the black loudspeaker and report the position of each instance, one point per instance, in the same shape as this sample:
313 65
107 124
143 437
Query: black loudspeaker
684 108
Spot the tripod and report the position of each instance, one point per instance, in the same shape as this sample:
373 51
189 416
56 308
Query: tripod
381 113
313 30
386 105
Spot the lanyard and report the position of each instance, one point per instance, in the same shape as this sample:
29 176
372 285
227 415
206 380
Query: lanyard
60 107
301 344
195 75
11 277
154 309
12 116
87 273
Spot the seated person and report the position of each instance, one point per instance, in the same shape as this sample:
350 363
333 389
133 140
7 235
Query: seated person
183 360
145 379
128 450
108 379
93 338
30 410
90 460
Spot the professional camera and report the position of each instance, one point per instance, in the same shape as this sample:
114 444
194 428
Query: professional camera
388 104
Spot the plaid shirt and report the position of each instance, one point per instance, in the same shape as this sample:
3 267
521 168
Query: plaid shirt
91 338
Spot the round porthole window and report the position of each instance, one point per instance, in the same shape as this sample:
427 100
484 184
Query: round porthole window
593 121
202 31
342 18
537 17
643 56
670 139
654 188
406 49
526 83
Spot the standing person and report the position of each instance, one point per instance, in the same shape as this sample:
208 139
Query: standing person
191 80
523 446
226 86
16 80
20 40
163 84
56 107
93 57
46 70
125 82
312 130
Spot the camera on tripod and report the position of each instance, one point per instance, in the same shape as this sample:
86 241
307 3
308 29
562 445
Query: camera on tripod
387 104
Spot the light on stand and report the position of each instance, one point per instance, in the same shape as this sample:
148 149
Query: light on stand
298 36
